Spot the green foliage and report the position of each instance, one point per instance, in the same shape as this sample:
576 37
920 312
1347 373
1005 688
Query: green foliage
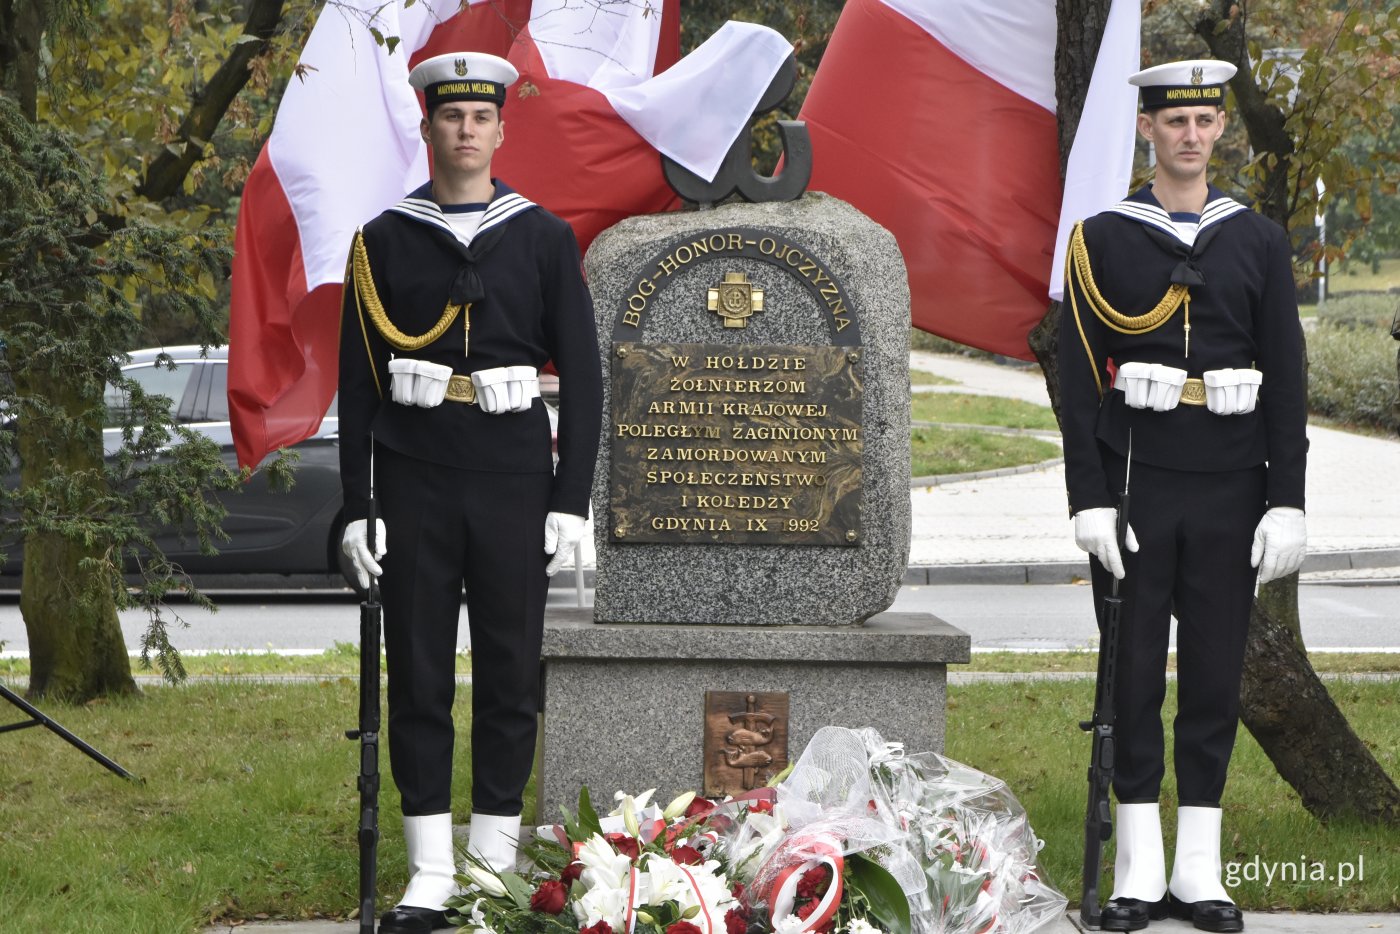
1360 309
68 290
123 82
1352 375
877 894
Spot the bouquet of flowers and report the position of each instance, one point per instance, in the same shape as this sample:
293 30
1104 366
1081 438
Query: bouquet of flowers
857 838
638 869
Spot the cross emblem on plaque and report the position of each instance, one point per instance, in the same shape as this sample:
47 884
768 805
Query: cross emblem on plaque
735 300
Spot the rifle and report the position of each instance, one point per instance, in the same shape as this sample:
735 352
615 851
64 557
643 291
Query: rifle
368 735
1098 819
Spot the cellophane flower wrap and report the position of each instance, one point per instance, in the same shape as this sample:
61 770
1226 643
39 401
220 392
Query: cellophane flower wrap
858 838
954 840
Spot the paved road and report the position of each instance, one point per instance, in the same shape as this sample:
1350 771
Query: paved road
1018 617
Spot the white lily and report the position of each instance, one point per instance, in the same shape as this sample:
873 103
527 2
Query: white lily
485 881
677 807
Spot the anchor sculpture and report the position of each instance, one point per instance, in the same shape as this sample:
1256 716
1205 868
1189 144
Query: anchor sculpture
736 173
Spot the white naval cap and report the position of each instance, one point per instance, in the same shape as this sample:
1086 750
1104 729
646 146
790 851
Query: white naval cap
1192 83
463 76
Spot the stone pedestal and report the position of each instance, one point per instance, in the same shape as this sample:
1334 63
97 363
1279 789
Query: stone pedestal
751 507
830 277
624 703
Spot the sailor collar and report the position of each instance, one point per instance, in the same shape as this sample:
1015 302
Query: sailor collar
420 206
1143 207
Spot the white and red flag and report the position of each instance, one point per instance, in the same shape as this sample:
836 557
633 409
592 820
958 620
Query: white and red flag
951 143
595 104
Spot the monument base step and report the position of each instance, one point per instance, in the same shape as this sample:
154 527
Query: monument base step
624 703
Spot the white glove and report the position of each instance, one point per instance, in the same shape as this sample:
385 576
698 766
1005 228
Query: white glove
1096 531
355 544
1150 385
562 530
505 389
1280 542
418 382
1232 392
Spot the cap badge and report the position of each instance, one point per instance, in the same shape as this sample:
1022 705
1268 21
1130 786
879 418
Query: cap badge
1197 75
461 66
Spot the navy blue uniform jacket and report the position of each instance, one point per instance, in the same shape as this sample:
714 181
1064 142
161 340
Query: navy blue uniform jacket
536 309
1244 313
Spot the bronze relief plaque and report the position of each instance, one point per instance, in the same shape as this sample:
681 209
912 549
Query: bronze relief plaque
746 740
724 443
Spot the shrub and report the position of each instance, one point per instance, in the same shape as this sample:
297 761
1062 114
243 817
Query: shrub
1360 309
1352 374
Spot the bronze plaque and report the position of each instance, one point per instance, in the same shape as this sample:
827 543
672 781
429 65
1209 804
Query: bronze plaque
746 740
725 443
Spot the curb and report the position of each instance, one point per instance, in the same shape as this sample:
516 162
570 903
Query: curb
1069 572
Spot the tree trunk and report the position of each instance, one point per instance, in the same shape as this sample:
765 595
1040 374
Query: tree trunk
1294 719
1283 703
1224 35
22 24
76 649
1080 26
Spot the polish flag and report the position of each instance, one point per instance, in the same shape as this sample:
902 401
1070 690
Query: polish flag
952 144
595 104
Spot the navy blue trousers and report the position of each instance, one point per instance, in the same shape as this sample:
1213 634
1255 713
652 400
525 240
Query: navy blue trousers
1194 533
448 528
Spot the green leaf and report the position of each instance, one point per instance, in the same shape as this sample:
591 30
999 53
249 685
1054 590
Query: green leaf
887 901
518 889
391 43
587 817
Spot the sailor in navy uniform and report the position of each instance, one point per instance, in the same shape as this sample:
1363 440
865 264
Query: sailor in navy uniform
454 298
1182 333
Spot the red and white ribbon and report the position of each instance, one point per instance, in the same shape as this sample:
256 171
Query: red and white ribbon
784 890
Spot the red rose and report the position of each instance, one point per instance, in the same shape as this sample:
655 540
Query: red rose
735 922
570 873
739 892
601 927
550 897
627 846
699 806
761 807
687 855
682 927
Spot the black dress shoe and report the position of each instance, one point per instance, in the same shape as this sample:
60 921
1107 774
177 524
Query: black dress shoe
1215 916
406 919
1131 914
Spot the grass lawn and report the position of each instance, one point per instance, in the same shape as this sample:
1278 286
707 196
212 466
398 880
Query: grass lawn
248 804
1027 734
923 378
968 409
1358 277
939 451
248 807
343 660
1087 661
